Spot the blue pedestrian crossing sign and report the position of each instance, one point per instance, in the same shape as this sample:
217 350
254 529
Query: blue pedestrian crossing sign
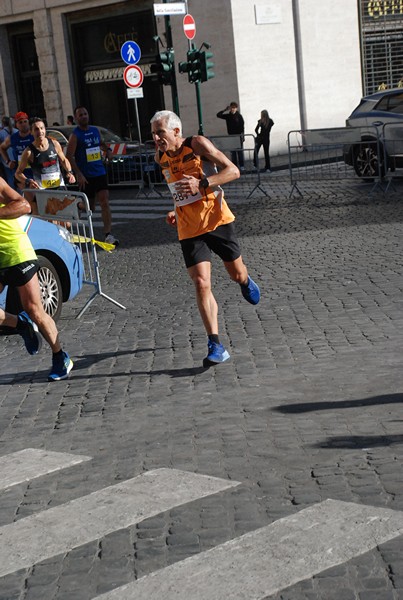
130 52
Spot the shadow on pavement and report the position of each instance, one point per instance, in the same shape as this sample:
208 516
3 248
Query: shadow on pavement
337 404
360 441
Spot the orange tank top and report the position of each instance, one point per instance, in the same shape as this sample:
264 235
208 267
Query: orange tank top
207 209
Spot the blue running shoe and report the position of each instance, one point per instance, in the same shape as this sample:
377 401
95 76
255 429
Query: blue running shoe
61 367
251 291
29 332
216 354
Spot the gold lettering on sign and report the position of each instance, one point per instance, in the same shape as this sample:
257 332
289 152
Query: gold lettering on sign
114 41
110 43
384 8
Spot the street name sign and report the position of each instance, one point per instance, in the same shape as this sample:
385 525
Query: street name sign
175 8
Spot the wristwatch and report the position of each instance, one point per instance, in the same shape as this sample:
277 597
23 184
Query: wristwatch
204 183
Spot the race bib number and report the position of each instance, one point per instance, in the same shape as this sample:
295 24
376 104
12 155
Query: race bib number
93 154
50 180
180 199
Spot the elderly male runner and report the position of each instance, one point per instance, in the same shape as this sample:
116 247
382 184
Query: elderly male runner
202 217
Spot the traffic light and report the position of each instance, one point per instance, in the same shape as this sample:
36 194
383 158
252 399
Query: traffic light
198 67
164 66
192 66
205 66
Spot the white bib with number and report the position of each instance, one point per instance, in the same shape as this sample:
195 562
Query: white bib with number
181 200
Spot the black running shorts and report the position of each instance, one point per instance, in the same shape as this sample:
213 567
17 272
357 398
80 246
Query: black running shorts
20 274
94 185
222 241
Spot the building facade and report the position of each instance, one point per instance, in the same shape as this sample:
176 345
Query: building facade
306 62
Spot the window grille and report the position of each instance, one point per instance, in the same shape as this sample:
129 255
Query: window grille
381 44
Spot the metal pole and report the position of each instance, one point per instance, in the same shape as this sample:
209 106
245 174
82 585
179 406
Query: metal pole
137 118
140 141
299 64
174 87
199 108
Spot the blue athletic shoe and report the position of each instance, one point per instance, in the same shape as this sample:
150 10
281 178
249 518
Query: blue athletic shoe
61 367
29 332
216 354
251 291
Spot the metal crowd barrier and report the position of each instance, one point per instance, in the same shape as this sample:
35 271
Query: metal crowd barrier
136 168
392 146
72 211
241 150
334 154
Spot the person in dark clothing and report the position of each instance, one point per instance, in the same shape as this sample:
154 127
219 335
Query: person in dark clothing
235 126
262 130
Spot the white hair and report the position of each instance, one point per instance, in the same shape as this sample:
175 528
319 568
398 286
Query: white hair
171 119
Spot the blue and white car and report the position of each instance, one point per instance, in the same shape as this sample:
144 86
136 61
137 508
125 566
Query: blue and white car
61 262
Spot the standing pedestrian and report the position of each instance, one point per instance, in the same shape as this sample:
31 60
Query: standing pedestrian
235 126
70 120
18 268
262 130
202 217
6 130
17 142
45 157
84 154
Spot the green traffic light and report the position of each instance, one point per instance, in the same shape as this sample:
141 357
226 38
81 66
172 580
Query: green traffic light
206 66
164 67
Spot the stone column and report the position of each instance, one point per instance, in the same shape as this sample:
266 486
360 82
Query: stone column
47 65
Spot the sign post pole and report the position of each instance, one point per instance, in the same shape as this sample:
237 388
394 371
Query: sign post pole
189 29
133 77
174 87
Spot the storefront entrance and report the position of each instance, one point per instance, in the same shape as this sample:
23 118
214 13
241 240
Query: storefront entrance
98 69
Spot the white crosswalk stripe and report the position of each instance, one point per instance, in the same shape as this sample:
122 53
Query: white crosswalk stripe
30 463
124 210
253 566
270 559
143 207
60 529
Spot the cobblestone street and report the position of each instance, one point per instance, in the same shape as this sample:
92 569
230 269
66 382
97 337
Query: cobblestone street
309 407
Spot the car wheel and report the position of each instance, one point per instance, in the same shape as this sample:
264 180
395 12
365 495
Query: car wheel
51 288
367 163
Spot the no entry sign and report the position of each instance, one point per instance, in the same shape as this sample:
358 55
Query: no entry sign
189 26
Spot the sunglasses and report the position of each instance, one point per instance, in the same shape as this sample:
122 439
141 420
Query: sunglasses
22 121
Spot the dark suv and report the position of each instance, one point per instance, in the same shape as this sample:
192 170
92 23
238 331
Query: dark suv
380 143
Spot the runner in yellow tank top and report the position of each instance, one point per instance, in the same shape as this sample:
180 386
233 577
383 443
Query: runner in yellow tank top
202 217
18 268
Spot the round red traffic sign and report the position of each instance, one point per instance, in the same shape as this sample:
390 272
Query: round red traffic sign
189 26
133 76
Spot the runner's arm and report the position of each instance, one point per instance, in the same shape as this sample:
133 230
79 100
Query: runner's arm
190 185
70 155
227 170
4 146
24 163
64 161
15 204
